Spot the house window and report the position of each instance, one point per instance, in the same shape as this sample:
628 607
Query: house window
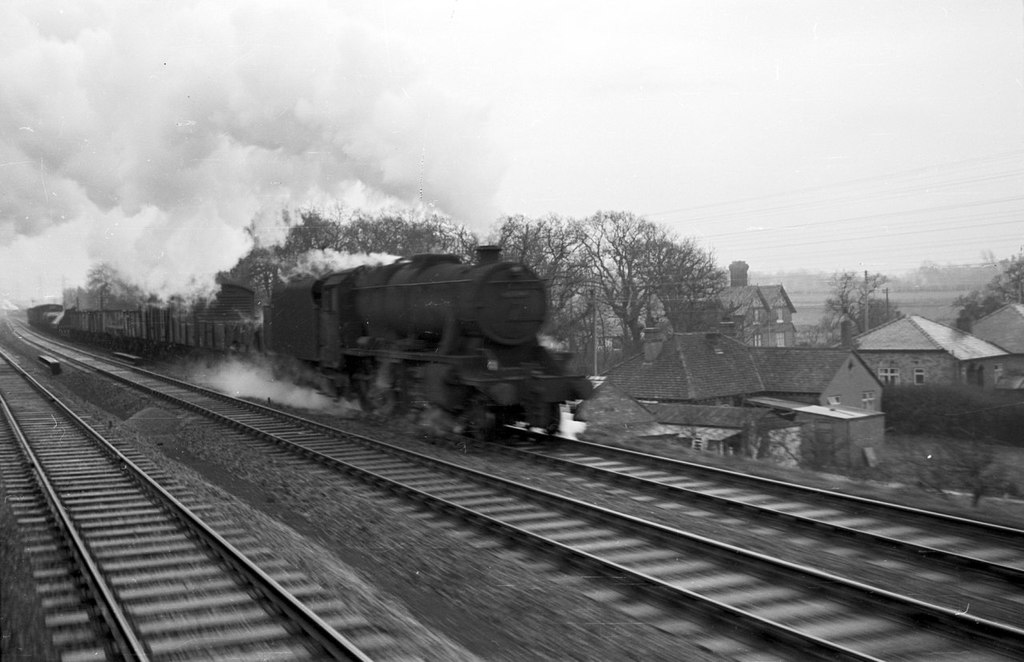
997 371
832 400
867 399
889 376
780 318
757 340
918 376
780 339
758 315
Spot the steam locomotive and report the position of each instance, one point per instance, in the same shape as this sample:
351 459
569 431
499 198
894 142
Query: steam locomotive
431 331
462 337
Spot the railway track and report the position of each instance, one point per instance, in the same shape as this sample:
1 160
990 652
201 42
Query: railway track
127 570
964 564
793 609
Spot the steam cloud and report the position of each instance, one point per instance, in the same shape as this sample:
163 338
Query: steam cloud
256 380
148 135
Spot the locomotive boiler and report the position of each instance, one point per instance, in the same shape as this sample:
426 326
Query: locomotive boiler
459 337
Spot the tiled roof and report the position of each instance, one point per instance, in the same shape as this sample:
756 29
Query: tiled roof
920 333
1004 328
776 295
741 297
799 369
706 415
691 366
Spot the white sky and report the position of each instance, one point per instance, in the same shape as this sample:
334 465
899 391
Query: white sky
790 134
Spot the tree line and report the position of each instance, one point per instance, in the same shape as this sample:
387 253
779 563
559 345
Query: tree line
609 275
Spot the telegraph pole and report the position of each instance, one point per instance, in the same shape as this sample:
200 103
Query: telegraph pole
593 303
867 302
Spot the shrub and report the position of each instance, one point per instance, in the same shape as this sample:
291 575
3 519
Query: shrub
955 411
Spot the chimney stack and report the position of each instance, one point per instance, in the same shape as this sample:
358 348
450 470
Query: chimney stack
846 334
654 340
738 274
488 254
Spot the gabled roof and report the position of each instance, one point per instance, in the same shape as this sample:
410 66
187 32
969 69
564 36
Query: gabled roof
801 369
1016 309
1003 327
741 297
836 411
916 333
776 294
690 366
707 415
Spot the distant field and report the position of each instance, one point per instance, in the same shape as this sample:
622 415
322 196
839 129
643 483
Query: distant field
935 305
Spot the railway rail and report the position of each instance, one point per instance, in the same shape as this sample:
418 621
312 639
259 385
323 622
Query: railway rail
790 607
148 579
974 565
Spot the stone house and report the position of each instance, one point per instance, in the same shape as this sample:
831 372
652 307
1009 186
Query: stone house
832 392
915 350
715 369
759 315
830 377
1005 329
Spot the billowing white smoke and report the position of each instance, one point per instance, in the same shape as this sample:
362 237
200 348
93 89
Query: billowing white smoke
317 263
148 134
260 381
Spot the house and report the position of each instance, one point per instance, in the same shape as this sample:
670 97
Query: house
916 350
720 430
818 376
715 369
1005 329
833 391
760 315
693 368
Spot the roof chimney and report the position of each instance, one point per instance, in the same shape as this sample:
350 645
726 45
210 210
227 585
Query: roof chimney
488 254
654 340
846 333
738 274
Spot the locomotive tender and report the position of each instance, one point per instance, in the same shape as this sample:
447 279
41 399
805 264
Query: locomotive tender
463 337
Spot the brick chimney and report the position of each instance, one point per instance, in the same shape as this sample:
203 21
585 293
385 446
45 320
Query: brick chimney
846 333
738 274
654 340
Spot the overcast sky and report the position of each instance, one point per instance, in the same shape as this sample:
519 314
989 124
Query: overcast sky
790 134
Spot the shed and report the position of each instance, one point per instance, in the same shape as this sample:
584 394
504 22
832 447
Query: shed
835 435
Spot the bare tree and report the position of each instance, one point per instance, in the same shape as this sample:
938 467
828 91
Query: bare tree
626 254
1006 287
850 293
959 464
108 288
399 232
690 287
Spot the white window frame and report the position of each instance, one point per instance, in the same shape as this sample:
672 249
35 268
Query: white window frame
918 376
867 399
889 376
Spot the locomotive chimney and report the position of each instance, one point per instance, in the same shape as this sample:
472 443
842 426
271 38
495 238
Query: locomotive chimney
488 254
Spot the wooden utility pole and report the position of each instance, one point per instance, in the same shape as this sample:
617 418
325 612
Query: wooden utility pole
867 301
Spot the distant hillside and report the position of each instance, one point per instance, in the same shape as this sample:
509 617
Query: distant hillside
928 291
